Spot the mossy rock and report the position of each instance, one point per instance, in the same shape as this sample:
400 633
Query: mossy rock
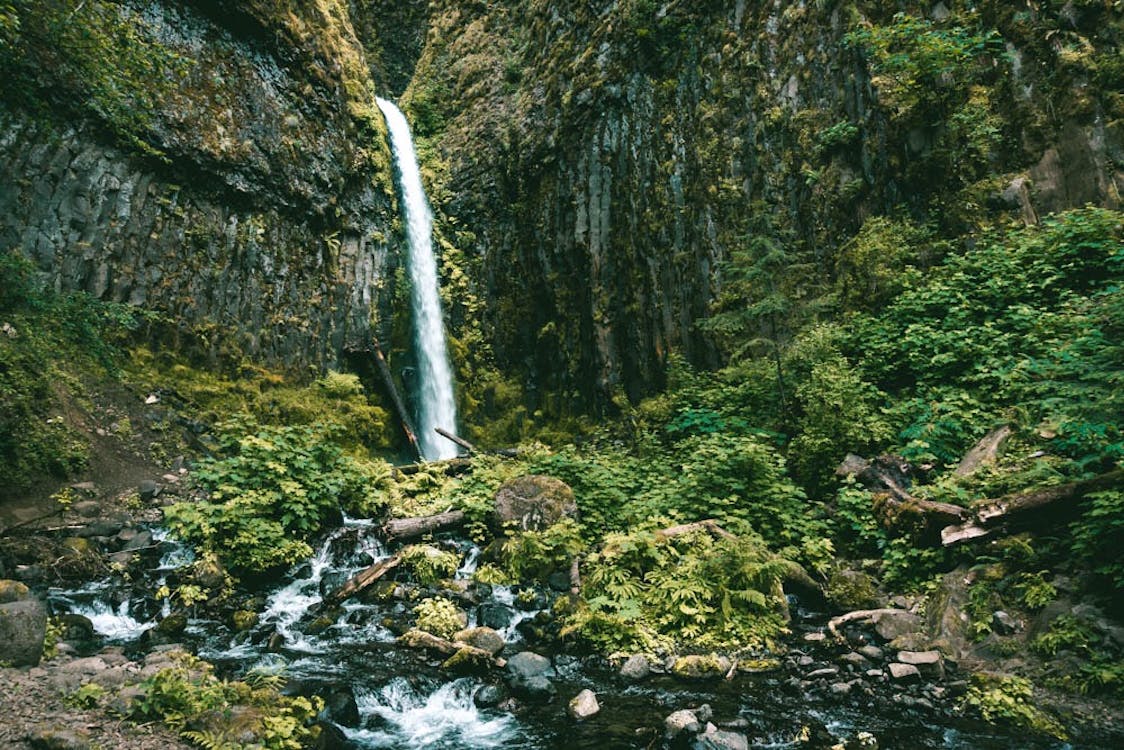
701 667
173 624
482 638
849 590
12 591
469 660
243 620
533 502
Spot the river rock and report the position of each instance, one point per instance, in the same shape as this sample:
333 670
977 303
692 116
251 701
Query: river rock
700 667
23 626
717 739
495 615
12 591
891 624
854 660
682 722
488 696
929 663
340 707
584 705
533 502
527 676
904 672
148 489
483 638
59 738
1003 624
872 652
635 668
87 508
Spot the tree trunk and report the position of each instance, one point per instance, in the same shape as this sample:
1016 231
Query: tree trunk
398 529
399 404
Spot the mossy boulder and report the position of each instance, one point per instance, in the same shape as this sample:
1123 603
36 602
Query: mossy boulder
12 591
23 626
243 620
701 667
533 502
849 590
482 638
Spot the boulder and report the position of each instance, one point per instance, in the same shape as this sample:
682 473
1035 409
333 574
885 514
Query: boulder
929 663
12 591
59 738
636 668
680 723
890 624
717 739
584 705
533 688
700 667
533 502
527 664
483 638
494 615
904 672
852 589
488 696
23 626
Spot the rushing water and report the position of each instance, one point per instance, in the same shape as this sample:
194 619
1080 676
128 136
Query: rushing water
404 701
436 407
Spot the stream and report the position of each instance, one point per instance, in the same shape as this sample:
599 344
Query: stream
383 696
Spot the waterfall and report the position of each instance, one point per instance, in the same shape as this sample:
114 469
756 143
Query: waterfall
436 407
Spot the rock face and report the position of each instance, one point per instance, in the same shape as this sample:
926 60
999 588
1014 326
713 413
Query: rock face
23 625
534 502
246 186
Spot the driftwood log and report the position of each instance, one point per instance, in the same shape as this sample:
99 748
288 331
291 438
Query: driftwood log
859 615
898 510
430 642
1027 510
360 581
398 529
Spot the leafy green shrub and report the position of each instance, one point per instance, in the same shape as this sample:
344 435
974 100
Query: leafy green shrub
215 713
439 616
534 555
645 592
429 564
270 491
1098 535
1009 699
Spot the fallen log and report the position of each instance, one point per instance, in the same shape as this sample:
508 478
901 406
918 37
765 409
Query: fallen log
984 452
430 642
398 529
1024 510
452 467
396 398
898 510
458 440
360 581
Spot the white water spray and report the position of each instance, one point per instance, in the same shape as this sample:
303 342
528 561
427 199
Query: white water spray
436 407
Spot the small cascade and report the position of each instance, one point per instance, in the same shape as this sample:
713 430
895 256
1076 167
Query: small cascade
436 406
446 717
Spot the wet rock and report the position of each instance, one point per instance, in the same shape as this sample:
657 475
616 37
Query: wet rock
469 660
23 625
928 663
148 489
821 673
494 615
76 627
107 527
483 638
849 590
909 642
904 672
874 674
841 688
583 705
140 540
559 581
527 676
805 661
682 722
333 738
701 667
854 660
717 739
635 668
1003 623
488 696
340 707
173 625
533 502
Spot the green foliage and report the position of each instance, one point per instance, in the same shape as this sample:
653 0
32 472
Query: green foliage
1035 591
48 343
1066 633
429 564
534 555
215 713
1009 699
643 591
877 263
85 697
271 489
1098 536
439 616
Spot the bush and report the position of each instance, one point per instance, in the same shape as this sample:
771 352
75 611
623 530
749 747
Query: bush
271 490
439 616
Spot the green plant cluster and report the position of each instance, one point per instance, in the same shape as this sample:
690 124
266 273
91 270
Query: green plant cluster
269 491
214 713
1009 699
49 343
439 616
429 564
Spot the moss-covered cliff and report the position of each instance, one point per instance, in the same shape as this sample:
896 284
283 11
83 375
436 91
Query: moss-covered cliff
594 166
223 164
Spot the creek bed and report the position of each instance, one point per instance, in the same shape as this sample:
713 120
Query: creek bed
404 701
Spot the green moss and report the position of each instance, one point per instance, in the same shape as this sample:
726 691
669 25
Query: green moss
1005 699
